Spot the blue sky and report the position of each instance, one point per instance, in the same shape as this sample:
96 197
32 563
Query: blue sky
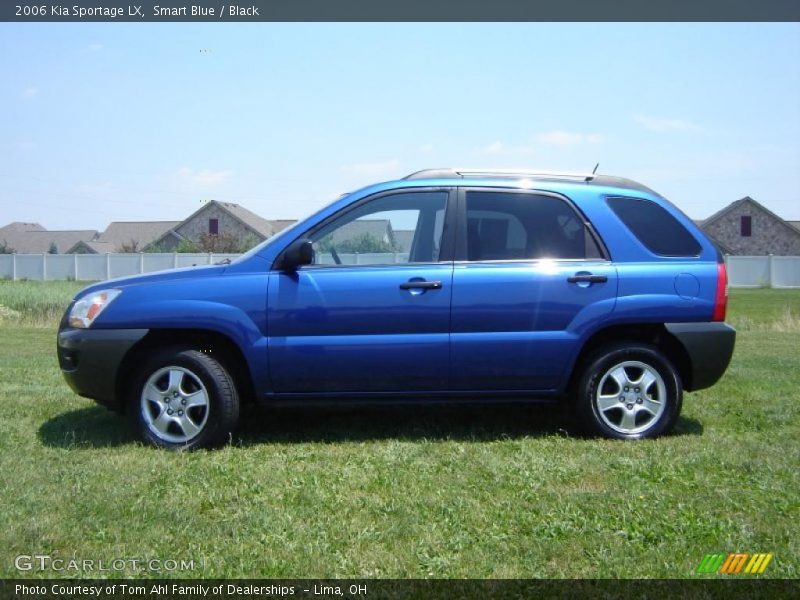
103 122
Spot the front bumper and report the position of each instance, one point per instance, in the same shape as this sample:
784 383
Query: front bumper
90 360
709 347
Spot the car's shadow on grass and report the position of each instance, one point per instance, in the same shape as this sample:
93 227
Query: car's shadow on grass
97 427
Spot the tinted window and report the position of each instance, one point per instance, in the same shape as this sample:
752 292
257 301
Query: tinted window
658 230
400 228
509 226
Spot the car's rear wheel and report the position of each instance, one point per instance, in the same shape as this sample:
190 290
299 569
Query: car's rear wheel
184 399
629 391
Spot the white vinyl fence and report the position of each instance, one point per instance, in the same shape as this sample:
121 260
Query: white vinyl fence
743 271
763 271
96 267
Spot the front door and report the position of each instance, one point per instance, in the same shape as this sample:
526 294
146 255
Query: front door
372 313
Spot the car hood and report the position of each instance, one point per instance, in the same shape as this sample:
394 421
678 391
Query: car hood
170 275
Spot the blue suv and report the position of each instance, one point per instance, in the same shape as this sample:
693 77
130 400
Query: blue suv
448 284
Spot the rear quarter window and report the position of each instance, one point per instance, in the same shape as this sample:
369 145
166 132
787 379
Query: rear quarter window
654 227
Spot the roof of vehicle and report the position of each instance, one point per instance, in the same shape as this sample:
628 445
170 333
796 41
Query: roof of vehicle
586 178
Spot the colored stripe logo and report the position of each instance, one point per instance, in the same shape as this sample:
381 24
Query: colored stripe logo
735 563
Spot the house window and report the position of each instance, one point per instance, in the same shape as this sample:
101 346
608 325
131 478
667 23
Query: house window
213 226
746 226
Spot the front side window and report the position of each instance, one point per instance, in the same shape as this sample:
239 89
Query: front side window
519 226
394 229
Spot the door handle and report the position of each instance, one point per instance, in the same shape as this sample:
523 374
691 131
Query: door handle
587 278
421 285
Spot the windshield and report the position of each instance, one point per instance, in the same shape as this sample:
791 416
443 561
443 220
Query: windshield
259 247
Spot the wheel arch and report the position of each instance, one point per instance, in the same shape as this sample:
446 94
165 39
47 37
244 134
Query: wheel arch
650 333
217 344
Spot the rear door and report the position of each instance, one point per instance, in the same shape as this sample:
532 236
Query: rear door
530 276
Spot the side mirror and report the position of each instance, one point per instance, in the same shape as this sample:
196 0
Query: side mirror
299 253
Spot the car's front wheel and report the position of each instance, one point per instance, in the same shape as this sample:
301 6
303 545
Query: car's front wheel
629 391
184 399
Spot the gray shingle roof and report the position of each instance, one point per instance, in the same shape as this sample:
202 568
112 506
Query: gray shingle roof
38 242
143 232
260 224
91 247
281 224
404 237
20 226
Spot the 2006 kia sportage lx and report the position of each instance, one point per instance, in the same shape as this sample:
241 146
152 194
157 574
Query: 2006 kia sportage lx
448 284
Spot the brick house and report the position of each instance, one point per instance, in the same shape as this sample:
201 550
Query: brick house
745 227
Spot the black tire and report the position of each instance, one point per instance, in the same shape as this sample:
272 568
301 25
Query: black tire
630 401
199 376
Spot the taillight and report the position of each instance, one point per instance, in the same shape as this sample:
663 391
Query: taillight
721 298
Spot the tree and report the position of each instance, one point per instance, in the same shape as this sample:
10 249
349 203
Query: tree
131 246
186 246
5 248
360 244
249 241
219 242
53 248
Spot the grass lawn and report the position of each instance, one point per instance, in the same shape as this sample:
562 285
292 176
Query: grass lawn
434 492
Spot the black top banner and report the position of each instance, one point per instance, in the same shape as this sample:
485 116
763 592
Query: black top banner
400 10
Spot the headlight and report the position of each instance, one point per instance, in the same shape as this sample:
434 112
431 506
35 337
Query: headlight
85 310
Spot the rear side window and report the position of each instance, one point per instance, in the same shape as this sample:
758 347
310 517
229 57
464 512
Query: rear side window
518 226
659 231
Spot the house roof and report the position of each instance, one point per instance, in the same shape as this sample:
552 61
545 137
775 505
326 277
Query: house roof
404 238
91 247
251 219
281 224
38 242
795 224
143 232
746 200
20 226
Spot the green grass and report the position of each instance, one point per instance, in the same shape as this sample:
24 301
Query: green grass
36 303
432 492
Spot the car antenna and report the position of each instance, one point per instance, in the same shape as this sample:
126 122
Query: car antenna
595 168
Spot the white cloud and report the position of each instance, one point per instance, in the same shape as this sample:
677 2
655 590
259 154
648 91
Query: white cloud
568 138
30 92
373 168
203 177
665 124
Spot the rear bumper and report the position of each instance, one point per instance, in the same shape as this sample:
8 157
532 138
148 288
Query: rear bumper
709 347
90 360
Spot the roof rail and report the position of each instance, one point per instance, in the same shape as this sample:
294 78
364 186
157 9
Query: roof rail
450 173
